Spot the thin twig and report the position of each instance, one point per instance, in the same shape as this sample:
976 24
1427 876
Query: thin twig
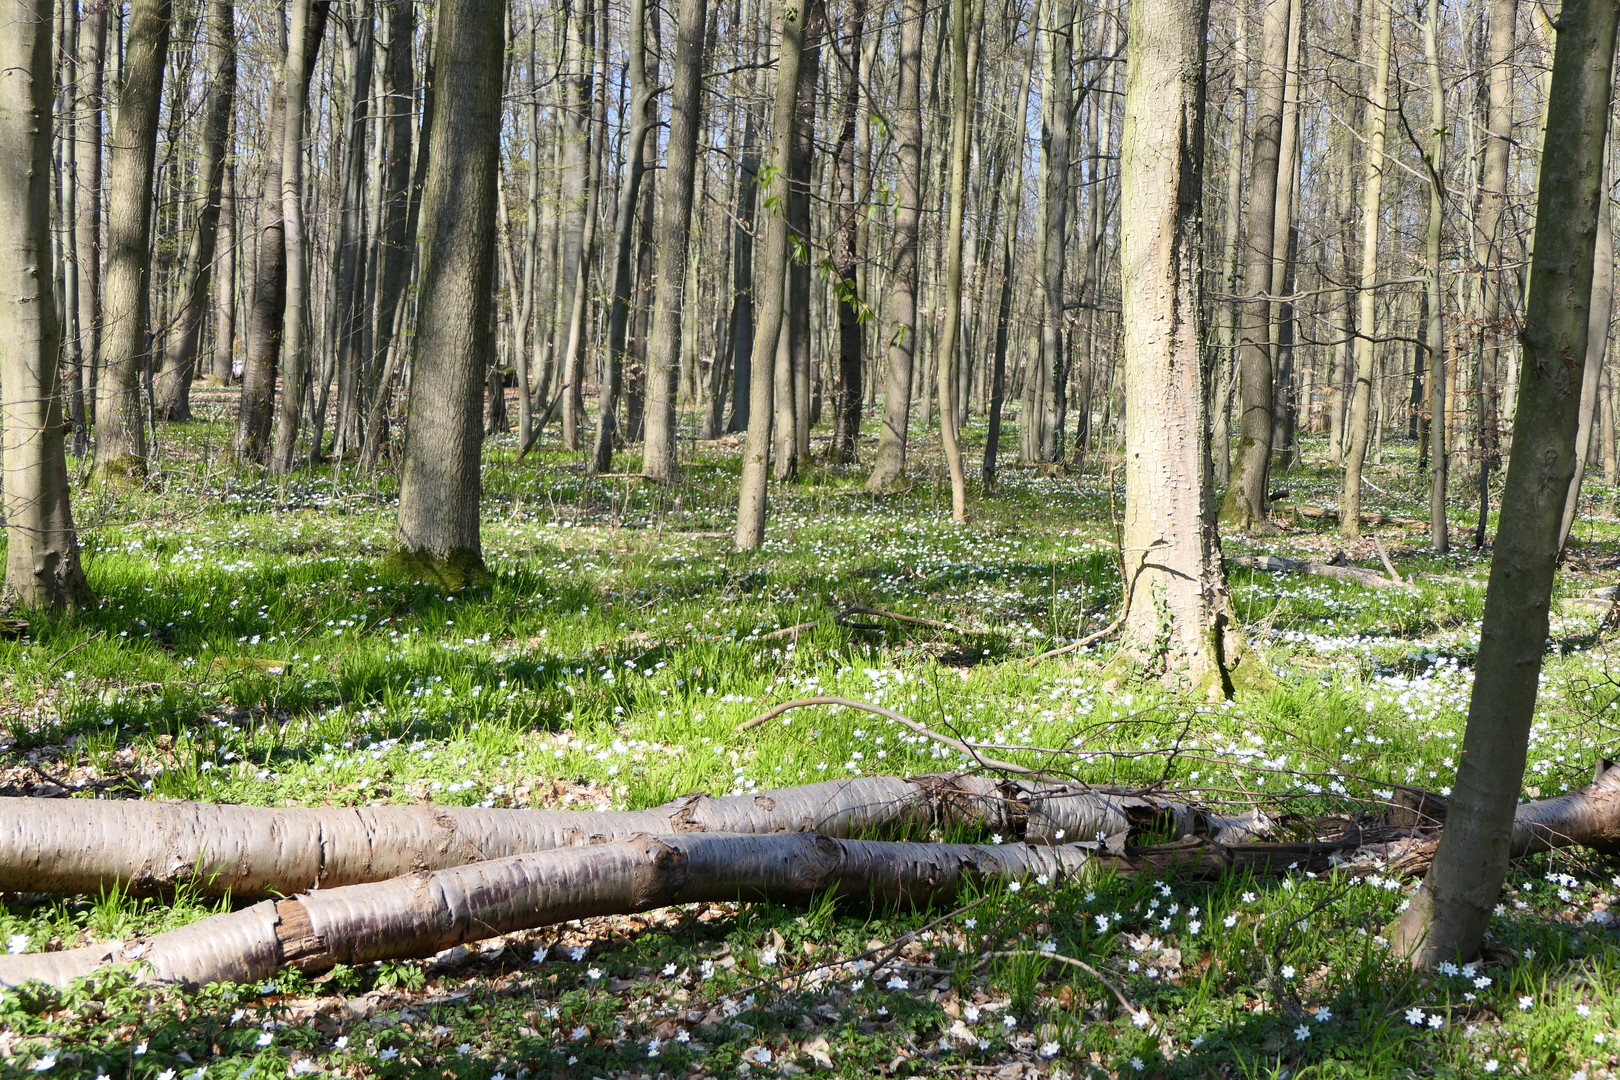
1124 587
903 721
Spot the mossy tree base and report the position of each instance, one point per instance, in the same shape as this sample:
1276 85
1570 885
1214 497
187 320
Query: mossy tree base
459 569
121 473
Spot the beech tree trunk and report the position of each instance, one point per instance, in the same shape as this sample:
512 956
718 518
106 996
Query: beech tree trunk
771 284
1495 321
437 537
1178 608
1361 401
890 465
120 431
851 345
1434 338
42 549
1245 503
675 226
948 350
294 343
1449 914
87 203
180 357
1597 345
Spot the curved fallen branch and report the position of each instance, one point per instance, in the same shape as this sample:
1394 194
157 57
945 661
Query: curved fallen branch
82 846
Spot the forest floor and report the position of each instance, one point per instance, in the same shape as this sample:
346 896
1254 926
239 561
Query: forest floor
247 649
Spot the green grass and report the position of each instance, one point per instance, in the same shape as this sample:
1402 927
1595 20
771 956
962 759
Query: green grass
248 648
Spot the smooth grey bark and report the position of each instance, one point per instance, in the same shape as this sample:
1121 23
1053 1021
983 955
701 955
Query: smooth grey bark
1178 619
437 537
1245 504
674 232
1057 109
180 355
294 312
771 281
1490 219
1284 246
1360 417
268 292
962 79
1434 338
741 340
120 430
901 314
1597 347
1451 910
581 174
845 258
87 202
1232 230
1009 245
42 548
221 361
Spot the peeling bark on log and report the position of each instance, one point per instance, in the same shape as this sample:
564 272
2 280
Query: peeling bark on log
420 914
81 846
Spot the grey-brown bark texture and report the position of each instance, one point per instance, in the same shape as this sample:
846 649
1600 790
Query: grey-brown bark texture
771 283
1245 503
437 536
1448 916
120 432
431 906
675 226
180 355
42 551
1361 398
294 315
1178 604
1490 218
83 846
900 330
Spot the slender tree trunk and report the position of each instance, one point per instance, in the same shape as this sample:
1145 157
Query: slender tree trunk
1226 372
1284 245
1597 346
438 535
1361 402
772 282
120 428
949 352
572 360
792 424
42 548
663 362
890 465
294 314
87 234
222 362
1495 321
581 152
1009 246
851 346
1245 503
742 279
1439 532
1450 912
180 359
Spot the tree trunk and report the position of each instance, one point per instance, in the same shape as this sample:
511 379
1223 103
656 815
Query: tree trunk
87 232
1448 916
624 229
1439 532
1361 402
438 537
120 430
222 362
772 284
294 313
663 362
42 548
1245 503
1597 346
890 466
180 357
1178 604
851 310
581 180
1009 246
948 349
1226 371
1490 218
742 273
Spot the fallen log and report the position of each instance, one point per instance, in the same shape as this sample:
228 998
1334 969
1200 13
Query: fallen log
420 914
1371 579
83 846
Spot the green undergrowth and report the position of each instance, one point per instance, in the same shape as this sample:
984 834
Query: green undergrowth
254 645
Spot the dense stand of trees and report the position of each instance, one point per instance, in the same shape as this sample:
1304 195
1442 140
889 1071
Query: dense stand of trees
374 216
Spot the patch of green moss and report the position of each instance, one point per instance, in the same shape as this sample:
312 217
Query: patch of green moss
121 473
457 570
